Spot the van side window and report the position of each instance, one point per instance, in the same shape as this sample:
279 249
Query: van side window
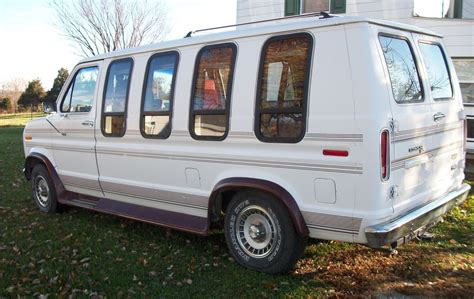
437 69
116 97
404 76
212 88
80 94
282 92
157 99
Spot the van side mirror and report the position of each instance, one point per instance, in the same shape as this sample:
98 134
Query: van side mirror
49 108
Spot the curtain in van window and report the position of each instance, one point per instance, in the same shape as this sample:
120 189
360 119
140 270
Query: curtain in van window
212 90
282 89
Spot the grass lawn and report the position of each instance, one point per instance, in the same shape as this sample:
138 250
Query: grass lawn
89 254
18 119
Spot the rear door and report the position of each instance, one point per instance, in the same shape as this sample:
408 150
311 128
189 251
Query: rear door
412 119
447 118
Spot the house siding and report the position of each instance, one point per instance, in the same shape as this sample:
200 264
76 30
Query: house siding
458 33
251 10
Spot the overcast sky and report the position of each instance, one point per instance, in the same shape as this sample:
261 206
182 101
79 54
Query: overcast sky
31 47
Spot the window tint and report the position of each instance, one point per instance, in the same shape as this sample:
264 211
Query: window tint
438 75
157 99
80 95
402 68
210 100
115 97
283 87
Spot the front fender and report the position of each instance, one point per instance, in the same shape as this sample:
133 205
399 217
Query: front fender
36 158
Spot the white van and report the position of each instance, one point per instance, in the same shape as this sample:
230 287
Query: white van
340 128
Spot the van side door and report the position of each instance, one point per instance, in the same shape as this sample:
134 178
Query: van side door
74 140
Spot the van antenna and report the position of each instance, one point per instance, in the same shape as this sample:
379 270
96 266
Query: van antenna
322 14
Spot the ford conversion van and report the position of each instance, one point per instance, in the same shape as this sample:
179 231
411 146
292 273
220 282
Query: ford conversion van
339 128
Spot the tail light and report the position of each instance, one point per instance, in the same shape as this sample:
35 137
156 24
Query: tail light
384 155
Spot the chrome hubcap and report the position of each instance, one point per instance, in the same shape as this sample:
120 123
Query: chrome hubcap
41 190
256 231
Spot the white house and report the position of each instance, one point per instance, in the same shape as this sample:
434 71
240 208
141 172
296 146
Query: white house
454 19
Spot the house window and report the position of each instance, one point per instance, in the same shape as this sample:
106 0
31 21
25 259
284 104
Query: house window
402 69
80 94
280 112
438 9
116 97
157 100
212 89
296 7
465 71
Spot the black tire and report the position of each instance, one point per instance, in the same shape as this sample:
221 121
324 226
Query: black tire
260 233
43 190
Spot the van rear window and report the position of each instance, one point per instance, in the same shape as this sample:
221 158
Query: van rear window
402 69
438 75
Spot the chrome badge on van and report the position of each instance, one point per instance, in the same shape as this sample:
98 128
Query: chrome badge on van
418 149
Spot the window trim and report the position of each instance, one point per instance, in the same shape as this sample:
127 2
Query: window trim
417 65
426 42
226 111
304 106
71 85
158 113
124 113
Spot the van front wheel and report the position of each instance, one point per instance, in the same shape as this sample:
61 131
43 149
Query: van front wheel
44 193
260 234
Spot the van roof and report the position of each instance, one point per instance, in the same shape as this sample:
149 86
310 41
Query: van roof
271 26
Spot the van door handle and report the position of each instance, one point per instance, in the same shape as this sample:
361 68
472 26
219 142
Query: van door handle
438 116
89 123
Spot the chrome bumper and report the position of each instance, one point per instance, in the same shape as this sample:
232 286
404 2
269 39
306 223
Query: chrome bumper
409 225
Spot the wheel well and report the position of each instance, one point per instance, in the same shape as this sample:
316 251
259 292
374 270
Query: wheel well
30 163
227 188
221 203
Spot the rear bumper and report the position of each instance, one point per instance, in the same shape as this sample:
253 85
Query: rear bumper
409 225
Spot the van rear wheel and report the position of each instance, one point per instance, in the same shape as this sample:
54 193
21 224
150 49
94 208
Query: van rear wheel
260 234
43 190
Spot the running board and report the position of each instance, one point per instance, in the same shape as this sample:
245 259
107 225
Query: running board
83 203
189 223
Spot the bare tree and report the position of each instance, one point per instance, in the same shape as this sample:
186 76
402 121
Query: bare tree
13 89
100 26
